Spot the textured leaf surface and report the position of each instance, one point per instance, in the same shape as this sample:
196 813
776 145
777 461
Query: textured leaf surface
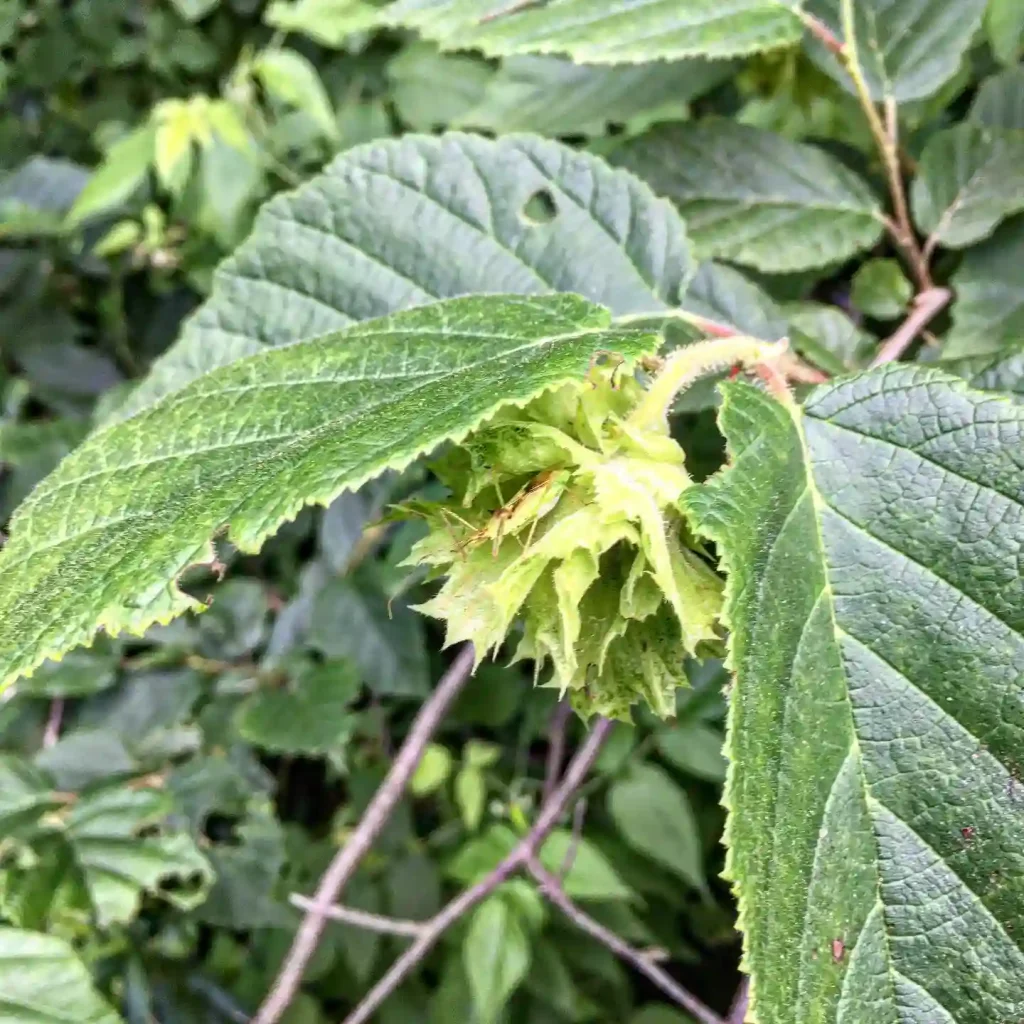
906 49
999 102
1003 371
989 311
42 981
101 542
604 31
970 179
554 96
873 544
754 198
396 224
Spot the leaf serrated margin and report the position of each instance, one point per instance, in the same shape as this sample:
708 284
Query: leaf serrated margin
248 522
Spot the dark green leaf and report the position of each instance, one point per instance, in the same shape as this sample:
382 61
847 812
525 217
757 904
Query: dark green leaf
873 797
752 197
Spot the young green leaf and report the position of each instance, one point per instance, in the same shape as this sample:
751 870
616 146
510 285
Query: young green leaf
401 223
605 31
1003 371
999 102
433 770
872 543
653 816
1004 26
123 170
989 312
752 197
43 981
291 79
970 179
881 289
102 541
496 957
906 49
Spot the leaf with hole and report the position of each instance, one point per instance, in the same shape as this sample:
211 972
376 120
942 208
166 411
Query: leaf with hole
872 541
401 223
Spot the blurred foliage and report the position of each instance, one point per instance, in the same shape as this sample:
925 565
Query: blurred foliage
161 798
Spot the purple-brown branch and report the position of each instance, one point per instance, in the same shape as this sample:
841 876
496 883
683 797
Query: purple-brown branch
550 813
348 857
552 889
927 306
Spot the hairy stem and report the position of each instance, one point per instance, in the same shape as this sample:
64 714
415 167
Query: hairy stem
550 812
556 746
691 362
348 857
927 305
552 889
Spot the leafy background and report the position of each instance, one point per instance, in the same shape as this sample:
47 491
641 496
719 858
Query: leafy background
161 799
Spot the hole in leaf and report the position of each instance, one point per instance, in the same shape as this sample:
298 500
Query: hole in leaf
540 208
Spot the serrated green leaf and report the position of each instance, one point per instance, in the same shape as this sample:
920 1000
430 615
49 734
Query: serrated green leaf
433 770
695 748
1003 371
590 875
880 289
308 715
1004 26
123 170
970 178
84 756
383 640
555 96
906 49
329 22
291 79
400 223
828 337
876 606
470 796
604 31
496 957
43 981
654 816
754 198
999 102
431 89
118 864
25 795
989 311
249 445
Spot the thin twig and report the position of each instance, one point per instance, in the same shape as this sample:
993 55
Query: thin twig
53 723
927 305
363 918
556 746
579 814
550 812
552 889
738 1010
887 139
822 33
359 842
